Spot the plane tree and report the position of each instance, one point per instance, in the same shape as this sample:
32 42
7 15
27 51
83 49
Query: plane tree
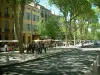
84 22
96 2
49 29
70 10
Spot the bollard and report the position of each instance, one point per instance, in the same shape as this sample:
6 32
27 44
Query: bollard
35 54
98 63
7 59
23 56
98 60
95 68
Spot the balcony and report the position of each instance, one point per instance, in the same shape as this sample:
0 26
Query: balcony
6 30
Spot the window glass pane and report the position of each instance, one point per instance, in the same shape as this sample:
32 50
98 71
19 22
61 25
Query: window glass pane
28 16
7 24
28 27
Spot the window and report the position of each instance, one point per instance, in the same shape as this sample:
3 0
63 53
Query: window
42 15
28 27
34 18
6 26
37 18
28 16
6 12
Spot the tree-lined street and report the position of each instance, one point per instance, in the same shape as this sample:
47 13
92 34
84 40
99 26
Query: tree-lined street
40 42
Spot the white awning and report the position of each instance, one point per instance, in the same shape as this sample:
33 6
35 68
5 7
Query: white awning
9 41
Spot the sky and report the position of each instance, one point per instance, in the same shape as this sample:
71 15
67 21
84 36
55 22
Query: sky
53 9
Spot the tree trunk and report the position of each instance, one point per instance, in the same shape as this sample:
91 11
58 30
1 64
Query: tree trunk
66 31
74 33
18 20
21 14
15 9
70 26
70 31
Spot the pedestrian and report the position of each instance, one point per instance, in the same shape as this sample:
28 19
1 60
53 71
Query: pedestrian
33 47
27 48
6 47
45 47
12 49
24 46
39 49
13 46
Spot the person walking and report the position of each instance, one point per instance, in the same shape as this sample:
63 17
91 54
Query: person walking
6 47
45 47
33 47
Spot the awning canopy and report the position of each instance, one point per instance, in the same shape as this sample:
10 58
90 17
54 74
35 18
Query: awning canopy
9 41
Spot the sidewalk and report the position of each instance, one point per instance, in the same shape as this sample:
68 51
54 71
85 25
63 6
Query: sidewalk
9 58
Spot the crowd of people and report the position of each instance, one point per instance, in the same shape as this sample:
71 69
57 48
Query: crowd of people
39 47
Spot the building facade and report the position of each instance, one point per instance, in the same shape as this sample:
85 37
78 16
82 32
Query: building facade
45 13
6 22
33 13
31 18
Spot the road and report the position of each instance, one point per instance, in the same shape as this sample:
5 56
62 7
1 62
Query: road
72 62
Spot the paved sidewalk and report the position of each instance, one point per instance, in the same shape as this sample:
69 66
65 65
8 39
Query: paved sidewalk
8 58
